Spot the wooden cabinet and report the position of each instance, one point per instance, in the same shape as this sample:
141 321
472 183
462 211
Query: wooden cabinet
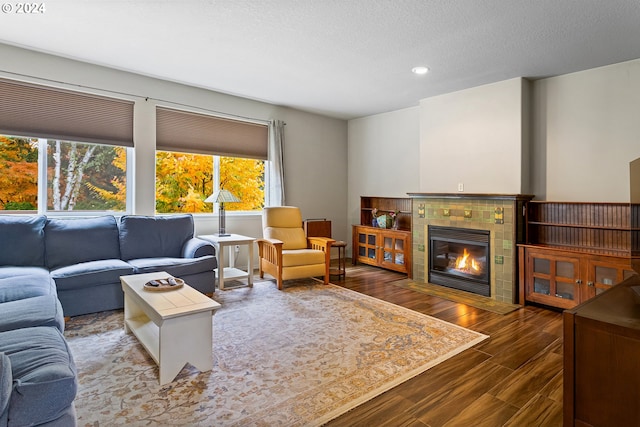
385 205
601 372
574 251
564 279
383 247
390 249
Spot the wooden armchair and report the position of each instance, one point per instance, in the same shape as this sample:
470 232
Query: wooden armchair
285 252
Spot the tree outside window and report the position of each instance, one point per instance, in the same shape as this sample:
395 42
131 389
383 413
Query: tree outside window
185 180
80 176
85 177
18 173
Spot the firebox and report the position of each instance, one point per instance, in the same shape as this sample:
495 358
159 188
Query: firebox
459 259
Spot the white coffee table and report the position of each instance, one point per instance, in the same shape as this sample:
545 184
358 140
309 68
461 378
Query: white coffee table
175 327
231 272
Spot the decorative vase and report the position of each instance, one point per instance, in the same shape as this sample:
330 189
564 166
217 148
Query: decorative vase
384 221
374 222
395 223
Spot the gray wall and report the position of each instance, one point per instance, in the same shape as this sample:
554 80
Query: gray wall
383 157
474 138
586 130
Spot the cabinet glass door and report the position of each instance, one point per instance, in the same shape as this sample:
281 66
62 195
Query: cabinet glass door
541 274
565 280
393 247
367 247
553 280
603 275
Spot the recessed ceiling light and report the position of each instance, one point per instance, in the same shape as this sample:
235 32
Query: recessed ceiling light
420 70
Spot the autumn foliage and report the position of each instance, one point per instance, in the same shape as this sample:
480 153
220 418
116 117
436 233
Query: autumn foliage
184 181
18 173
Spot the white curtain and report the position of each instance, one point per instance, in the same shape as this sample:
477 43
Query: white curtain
275 175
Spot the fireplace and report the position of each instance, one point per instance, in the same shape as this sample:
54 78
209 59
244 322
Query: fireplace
500 215
459 259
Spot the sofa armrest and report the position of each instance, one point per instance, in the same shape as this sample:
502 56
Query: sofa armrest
6 388
196 248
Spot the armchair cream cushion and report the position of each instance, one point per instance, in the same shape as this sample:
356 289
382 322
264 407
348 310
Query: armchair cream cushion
285 224
285 252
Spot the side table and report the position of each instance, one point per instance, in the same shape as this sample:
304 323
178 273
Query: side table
231 272
341 270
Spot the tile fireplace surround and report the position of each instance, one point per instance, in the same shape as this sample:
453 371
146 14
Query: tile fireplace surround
500 214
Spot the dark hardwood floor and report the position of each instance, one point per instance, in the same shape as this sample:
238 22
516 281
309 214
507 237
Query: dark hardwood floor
514 378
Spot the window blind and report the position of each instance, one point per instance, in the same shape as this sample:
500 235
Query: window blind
185 131
39 111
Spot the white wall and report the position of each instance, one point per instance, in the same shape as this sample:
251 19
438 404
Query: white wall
586 131
383 157
315 146
474 137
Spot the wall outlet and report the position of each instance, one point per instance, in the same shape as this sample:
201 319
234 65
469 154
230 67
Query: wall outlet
237 248
460 186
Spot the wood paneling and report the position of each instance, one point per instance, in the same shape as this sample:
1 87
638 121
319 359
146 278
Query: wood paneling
596 227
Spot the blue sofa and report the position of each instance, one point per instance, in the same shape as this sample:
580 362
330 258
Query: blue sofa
86 257
51 268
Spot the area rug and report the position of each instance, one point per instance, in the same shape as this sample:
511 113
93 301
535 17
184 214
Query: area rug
297 357
455 295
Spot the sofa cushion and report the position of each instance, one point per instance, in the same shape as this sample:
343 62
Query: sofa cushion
177 267
6 382
72 241
153 237
44 374
24 282
90 274
45 310
22 240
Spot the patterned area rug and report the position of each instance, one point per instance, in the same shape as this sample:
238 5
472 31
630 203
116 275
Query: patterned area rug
455 295
298 357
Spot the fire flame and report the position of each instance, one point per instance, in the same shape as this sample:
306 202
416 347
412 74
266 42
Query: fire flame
464 263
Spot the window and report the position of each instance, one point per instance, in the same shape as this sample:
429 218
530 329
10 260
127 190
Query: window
42 169
200 153
70 176
185 180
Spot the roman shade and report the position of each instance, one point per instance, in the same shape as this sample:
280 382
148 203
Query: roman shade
185 131
39 111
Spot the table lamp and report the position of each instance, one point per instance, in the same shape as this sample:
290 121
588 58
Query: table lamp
222 196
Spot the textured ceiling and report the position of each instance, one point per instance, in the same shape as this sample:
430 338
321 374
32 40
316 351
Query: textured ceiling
342 58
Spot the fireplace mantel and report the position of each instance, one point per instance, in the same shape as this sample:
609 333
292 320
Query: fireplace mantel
475 196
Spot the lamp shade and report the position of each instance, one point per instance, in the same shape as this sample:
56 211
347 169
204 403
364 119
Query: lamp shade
222 196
